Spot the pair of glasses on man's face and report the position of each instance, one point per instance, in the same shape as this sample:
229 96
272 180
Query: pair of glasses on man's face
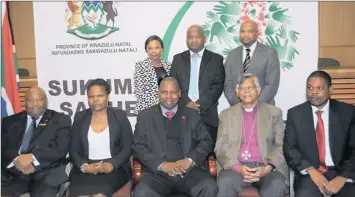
246 88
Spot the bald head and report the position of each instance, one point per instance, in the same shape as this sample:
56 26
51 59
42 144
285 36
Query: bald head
195 27
248 33
195 38
250 22
35 102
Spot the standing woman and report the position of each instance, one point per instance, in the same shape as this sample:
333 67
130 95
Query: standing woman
100 146
148 74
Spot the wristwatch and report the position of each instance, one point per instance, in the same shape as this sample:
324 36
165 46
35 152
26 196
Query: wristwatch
82 167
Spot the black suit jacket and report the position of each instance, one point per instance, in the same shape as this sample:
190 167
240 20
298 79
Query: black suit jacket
150 143
49 145
120 139
300 145
210 84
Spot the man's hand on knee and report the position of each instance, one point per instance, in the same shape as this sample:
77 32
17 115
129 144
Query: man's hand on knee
28 169
172 169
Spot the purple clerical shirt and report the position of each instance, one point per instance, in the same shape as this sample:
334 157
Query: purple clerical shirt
250 130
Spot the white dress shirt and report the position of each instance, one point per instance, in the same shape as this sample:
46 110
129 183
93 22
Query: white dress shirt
325 117
252 49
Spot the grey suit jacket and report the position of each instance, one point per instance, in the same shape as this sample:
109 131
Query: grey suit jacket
270 129
264 64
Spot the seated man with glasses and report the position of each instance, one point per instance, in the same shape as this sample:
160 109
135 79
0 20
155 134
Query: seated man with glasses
249 144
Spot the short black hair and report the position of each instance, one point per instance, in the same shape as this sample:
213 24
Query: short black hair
151 38
99 82
170 79
321 74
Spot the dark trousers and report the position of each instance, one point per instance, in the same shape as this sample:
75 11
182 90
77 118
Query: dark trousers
231 183
18 187
305 187
196 183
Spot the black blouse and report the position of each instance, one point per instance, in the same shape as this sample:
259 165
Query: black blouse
161 73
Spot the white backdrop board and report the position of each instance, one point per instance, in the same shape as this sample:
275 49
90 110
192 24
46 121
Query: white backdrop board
74 43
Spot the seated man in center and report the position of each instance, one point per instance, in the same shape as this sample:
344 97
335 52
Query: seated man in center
172 143
249 144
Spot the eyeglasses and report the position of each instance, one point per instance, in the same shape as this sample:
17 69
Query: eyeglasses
249 88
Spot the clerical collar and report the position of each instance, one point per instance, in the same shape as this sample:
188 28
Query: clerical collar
253 109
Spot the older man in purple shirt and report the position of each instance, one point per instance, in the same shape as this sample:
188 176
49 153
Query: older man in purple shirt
249 144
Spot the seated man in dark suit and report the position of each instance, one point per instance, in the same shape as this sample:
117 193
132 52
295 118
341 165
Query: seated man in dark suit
319 142
34 144
172 143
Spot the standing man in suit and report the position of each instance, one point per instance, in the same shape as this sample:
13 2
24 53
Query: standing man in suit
255 58
249 144
172 143
34 144
319 143
200 73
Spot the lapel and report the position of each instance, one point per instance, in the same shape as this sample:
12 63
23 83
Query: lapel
187 67
334 127
261 122
204 61
21 127
182 121
158 124
42 124
239 57
254 62
309 134
84 131
113 127
235 133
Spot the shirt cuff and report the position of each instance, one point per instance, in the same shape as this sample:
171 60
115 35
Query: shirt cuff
10 165
304 172
349 181
192 161
159 167
35 161
236 167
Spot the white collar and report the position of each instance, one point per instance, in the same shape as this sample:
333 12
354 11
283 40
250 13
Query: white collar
324 109
252 47
200 53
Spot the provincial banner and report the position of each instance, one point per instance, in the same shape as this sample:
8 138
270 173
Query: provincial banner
79 41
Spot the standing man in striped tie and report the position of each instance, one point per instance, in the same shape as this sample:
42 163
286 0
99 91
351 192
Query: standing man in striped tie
200 73
319 142
254 58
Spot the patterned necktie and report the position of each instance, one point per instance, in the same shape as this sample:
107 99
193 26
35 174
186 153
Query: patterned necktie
320 136
193 86
169 114
28 136
246 61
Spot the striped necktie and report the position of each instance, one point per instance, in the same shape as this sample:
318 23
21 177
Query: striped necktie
246 61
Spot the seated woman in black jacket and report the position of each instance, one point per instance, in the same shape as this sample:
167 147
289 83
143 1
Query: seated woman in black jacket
100 146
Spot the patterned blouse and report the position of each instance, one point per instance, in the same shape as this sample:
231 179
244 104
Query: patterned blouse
146 84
